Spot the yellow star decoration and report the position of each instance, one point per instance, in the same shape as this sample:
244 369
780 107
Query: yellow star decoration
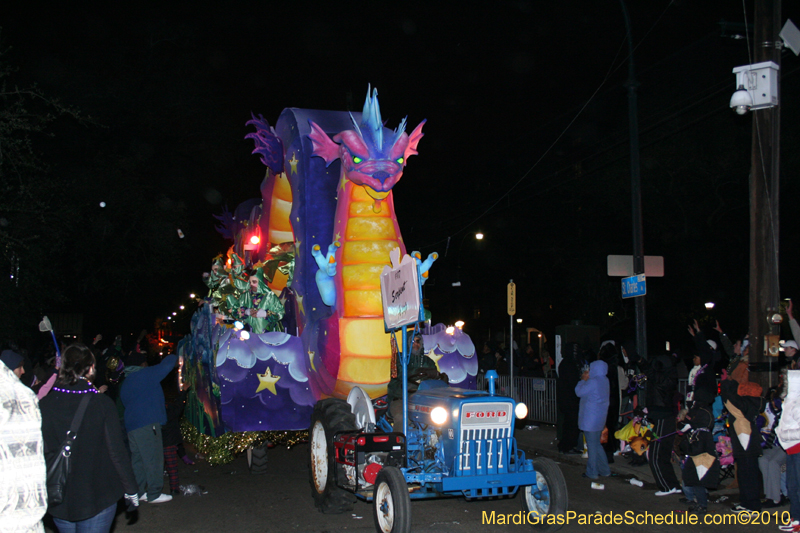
338 236
267 382
293 162
299 299
341 185
435 357
311 359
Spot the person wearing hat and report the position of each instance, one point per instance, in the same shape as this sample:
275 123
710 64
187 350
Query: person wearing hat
13 361
790 349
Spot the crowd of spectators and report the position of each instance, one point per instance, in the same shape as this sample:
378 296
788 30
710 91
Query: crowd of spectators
720 406
128 432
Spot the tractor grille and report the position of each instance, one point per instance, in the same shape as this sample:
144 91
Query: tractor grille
485 441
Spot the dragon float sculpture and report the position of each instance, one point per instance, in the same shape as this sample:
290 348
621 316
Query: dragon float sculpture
315 243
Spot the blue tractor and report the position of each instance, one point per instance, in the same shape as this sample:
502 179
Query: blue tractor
458 442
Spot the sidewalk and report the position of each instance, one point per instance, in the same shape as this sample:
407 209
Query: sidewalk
542 441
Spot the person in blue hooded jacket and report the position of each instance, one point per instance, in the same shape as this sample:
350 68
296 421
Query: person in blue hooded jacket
593 390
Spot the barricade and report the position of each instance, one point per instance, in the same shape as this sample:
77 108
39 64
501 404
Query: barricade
539 394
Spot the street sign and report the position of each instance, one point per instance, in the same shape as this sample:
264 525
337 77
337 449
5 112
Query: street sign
634 286
512 299
622 265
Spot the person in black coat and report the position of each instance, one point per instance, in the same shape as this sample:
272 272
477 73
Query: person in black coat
701 466
662 384
608 353
744 403
569 374
702 376
101 471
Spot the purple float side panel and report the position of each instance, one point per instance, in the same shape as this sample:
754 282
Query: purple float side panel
264 383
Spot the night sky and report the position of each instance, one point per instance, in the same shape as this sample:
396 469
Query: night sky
526 140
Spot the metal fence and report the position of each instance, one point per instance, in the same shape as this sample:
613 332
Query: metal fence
539 394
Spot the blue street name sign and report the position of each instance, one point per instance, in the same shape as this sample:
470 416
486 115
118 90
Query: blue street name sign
634 286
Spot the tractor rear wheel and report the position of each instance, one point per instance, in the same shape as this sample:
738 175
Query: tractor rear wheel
329 417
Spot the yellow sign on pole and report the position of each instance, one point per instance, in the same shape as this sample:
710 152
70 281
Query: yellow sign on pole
512 299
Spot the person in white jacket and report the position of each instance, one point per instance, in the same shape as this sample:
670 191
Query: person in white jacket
788 433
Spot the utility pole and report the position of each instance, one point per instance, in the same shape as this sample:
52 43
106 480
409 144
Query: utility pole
764 205
636 191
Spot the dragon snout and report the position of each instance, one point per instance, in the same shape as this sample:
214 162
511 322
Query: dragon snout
381 176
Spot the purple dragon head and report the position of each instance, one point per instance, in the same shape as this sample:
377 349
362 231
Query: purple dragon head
371 155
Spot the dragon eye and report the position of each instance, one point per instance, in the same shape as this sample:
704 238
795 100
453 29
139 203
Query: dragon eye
400 161
357 159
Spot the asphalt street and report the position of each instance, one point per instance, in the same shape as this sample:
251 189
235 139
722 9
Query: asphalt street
280 500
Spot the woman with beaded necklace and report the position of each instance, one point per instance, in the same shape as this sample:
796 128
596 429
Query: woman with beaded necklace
100 472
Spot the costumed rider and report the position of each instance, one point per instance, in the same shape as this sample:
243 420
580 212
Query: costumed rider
258 306
214 279
420 368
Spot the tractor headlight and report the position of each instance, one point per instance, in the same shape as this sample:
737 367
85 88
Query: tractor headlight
439 415
521 410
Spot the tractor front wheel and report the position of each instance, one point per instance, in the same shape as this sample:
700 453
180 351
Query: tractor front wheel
392 505
549 496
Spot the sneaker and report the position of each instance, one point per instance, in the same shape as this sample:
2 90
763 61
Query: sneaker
739 508
161 499
668 492
694 508
794 526
143 497
585 455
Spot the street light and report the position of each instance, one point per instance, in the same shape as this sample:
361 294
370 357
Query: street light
519 321
709 305
479 236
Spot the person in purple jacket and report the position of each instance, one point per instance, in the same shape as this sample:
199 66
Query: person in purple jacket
593 390
145 413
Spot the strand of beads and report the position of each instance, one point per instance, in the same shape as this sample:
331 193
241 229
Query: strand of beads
92 388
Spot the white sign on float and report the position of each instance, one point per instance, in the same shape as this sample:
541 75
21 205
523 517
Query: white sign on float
400 292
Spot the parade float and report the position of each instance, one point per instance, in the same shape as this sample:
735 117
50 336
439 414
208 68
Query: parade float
294 312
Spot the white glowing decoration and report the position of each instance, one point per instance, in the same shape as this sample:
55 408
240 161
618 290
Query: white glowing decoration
450 330
244 335
521 410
